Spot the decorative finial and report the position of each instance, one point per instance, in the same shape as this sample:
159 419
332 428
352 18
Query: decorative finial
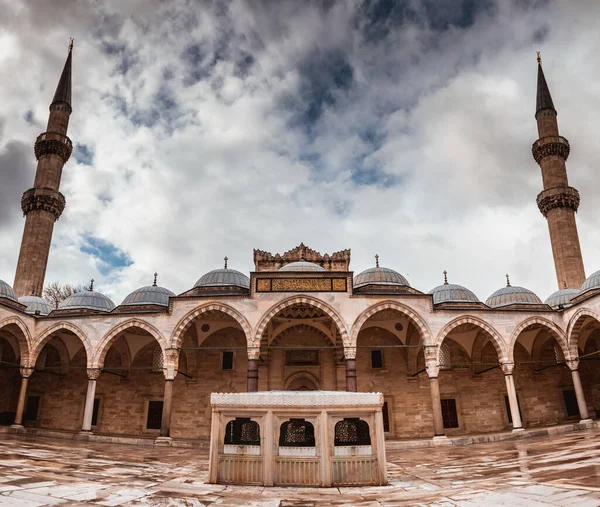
302 252
92 284
376 260
539 58
71 39
226 259
445 277
155 277
507 280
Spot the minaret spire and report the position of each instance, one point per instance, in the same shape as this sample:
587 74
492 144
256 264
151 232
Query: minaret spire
43 204
558 202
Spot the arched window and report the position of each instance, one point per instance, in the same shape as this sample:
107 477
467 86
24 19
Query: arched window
242 431
352 431
445 357
158 360
297 433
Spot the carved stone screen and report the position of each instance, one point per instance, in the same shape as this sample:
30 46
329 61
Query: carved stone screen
352 431
242 431
297 433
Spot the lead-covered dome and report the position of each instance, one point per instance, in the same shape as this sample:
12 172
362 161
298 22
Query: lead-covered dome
591 282
36 305
150 295
224 278
302 266
87 300
512 295
379 276
452 293
6 291
561 297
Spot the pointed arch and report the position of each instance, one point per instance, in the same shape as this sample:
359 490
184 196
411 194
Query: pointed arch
304 300
557 332
47 334
108 339
315 325
497 341
180 329
391 305
575 326
25 341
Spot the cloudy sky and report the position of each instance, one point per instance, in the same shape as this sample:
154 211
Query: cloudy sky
209 128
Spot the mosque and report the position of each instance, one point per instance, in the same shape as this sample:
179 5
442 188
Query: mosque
446 362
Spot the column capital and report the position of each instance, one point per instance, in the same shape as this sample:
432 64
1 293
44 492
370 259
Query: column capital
507 368
431 361
573 364
171 363
350 352
253 353
94 373
26 371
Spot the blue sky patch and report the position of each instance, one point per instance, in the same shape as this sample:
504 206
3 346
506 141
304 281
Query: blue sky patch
108 257
83 154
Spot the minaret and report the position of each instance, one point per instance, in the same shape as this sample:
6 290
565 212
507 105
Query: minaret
558 202
43 204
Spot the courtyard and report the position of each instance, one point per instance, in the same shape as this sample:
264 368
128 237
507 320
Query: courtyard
561 470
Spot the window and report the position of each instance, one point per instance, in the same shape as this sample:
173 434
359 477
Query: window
158 360
32 408
508 413
352 431
386 416
297 433
445 357
377 359
154 419
95 411
571 403
227 363
449 413
242 431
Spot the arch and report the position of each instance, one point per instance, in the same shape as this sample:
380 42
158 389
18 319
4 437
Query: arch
574 328
320 328
25 342
295 300
558 333
497 341
46 335
390 305
177 336
107 340
302 375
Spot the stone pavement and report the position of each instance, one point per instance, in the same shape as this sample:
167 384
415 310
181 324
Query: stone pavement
559 470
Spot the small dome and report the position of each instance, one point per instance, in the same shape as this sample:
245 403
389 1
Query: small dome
561 297
302 266
89 300
151 295
452 293
511 295
6 291
380 276
224 278
36 304
591 282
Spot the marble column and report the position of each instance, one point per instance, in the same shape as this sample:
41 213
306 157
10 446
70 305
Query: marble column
93 374
165 424
26 372
573 365
252 375
350 356
433 370
507 369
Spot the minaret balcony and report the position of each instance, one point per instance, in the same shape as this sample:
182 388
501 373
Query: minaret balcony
550 145
558 197
53 143
43 199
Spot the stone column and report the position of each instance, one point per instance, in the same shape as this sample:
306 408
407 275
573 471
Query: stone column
170 371
252 376
93 374
573 365
26 372
507 369
433 370
350 355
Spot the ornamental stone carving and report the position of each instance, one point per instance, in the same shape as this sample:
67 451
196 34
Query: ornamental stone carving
350 352
507 368
573 364
558 197
253 353
550 145
93 373
53 143
431 361
297 398
26 371
43 199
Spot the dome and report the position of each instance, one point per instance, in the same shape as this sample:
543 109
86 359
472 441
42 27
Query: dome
511 295
36 304
224 278
452 293
302 266
379 276
591 282
151 295
561 297
88 300
6 291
